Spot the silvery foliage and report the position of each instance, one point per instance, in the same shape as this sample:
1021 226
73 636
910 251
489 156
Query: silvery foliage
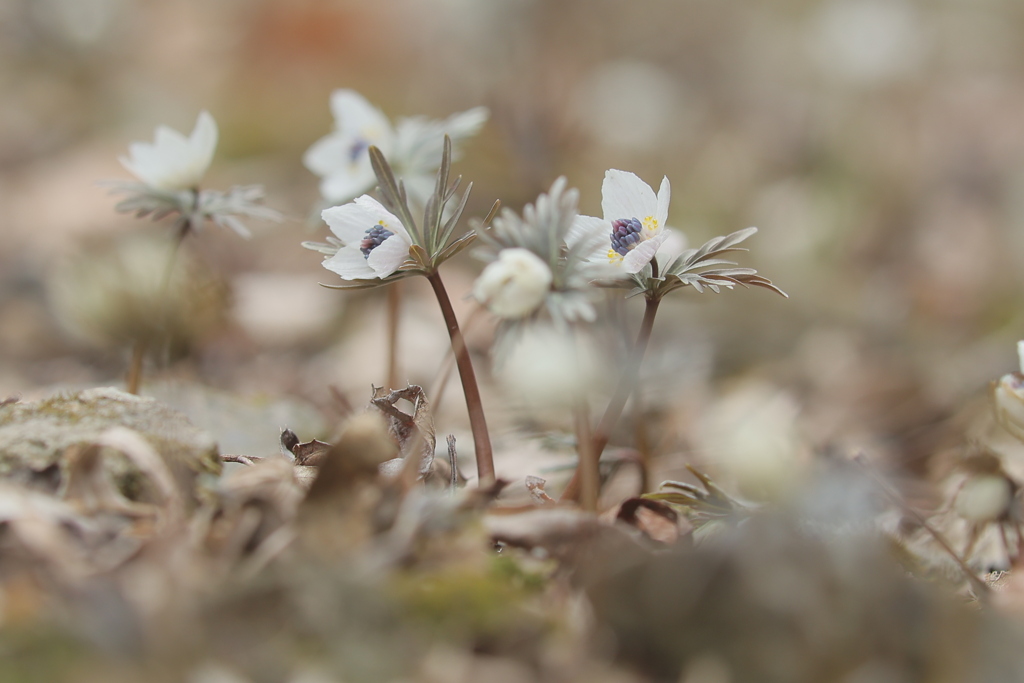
544 229
194 207
700 268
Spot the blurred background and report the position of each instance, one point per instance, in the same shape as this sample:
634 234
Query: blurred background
877 144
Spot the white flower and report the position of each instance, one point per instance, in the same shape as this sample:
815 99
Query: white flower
413 147
515 284
172 161
545 370
634 221
373 242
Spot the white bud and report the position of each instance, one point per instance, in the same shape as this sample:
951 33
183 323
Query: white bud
514 285
984 498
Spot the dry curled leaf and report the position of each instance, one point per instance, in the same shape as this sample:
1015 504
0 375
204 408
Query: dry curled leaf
657 521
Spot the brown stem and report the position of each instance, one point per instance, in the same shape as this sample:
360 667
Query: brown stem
394 307
134 380
588 467
627 382
440 383
481 440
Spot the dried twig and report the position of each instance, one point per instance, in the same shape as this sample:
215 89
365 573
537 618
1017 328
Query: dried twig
981 588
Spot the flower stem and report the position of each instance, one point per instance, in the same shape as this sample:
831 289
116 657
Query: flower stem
134 380
588 467
627 382
481 439
394 307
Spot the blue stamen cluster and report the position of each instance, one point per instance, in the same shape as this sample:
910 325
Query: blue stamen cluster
625 234
357 148
374 237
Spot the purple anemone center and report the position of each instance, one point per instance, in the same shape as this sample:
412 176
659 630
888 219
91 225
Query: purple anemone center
374 237
357 148
625 234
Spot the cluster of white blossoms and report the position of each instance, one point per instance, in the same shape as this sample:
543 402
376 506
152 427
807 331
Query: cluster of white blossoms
546 260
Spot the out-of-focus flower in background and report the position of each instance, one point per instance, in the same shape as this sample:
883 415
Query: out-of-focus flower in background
546 371
413 147
172 161
171 168
114 294
515 284
868 41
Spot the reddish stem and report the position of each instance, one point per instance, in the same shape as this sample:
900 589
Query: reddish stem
481 439
627 382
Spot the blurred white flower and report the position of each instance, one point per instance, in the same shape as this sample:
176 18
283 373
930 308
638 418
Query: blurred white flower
170 169
547 370
172 161
413 147
371 242
515 284
634 221
664 116
868 42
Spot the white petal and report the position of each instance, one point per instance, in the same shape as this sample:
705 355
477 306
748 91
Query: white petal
203 141
624 195
383 216
641 255
675 244
353 115
351 221
389 255
172 161
419 142
592 235
350 264
664 195
466 124
343 187
328 154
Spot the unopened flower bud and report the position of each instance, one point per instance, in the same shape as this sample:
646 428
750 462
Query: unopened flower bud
515 284
984 498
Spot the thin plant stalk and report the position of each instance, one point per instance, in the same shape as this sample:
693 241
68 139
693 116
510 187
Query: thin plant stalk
393 309
588 467
440 383
134 380
626 385
135 370
477 421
